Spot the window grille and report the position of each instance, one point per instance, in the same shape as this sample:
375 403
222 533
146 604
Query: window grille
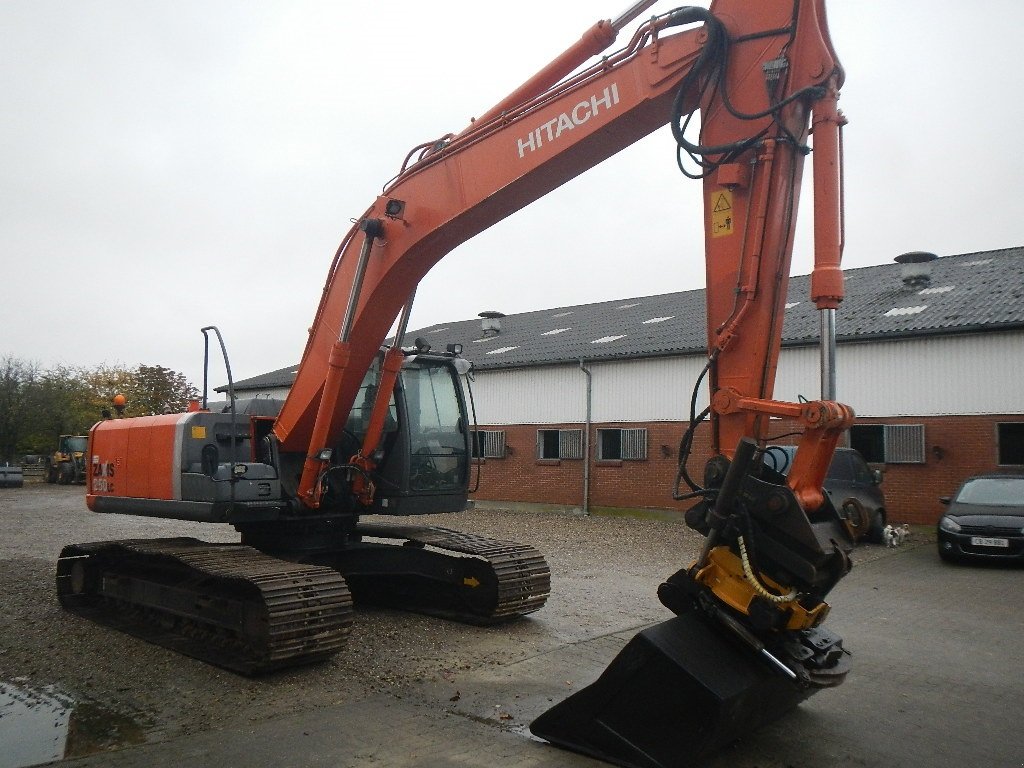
559 443
489 444
625 444
634 444
570 443
904 443
889 443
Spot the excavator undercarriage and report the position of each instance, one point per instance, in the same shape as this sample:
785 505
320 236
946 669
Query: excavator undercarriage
226 604
252 612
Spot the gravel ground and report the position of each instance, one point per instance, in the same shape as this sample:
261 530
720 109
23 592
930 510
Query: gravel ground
604 574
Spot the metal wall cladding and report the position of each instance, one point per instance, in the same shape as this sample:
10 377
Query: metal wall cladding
969 374
553 394
656 389
972 374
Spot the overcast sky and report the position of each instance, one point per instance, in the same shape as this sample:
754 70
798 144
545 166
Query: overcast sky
165 166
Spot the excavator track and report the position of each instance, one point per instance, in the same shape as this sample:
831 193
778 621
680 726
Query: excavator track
226 604
446 573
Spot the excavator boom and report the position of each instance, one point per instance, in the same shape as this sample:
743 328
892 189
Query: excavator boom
464 185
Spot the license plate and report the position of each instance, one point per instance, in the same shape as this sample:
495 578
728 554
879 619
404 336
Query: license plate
984 541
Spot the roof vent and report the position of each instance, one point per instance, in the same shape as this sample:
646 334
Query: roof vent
916 268
491 322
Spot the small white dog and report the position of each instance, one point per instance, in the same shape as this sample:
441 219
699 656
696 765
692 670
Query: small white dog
902 533
894 536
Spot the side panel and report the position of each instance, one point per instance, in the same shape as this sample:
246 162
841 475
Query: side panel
106 461
133 458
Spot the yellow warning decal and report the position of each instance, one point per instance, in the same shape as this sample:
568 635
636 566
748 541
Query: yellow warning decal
471 581
198 433
721 213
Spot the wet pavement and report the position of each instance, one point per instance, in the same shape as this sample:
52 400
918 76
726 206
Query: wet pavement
44 724
936 682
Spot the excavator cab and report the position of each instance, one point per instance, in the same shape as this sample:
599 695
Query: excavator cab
424 451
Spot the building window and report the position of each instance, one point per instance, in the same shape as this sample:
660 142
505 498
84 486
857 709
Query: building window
869 440
624 444
1011 443
559 443
889 443
489 444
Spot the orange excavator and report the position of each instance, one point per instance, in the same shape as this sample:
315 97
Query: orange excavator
379 426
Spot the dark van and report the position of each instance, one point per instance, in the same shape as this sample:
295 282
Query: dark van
848 477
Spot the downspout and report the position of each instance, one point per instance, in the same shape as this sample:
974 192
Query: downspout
586 440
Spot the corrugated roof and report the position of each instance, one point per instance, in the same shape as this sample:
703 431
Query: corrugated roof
282 377
967 292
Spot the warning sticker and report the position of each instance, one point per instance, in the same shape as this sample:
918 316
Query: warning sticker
721 213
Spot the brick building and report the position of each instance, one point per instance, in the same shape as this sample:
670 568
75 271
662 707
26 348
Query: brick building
584 406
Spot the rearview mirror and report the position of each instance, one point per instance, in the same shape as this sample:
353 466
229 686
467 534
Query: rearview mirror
944 500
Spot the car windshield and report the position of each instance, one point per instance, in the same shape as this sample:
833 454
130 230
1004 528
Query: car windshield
992 491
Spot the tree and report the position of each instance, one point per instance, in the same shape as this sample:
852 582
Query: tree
105 381
57 403
161 390
16 377
37 406
149 389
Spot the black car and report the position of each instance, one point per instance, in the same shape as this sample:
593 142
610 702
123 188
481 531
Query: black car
848 477
985 520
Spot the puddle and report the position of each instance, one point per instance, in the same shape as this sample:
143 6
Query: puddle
39 724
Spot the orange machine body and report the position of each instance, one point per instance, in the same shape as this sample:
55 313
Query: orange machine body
198 465
135 457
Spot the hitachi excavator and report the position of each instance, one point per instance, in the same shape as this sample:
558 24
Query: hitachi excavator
378 426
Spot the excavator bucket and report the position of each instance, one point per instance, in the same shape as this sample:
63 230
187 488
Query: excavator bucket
676 693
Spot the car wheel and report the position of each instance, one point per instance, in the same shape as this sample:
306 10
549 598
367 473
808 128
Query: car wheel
877 526
856 517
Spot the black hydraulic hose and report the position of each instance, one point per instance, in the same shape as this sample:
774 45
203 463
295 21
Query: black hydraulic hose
711 66
475 448
685 447
686 441
739 467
